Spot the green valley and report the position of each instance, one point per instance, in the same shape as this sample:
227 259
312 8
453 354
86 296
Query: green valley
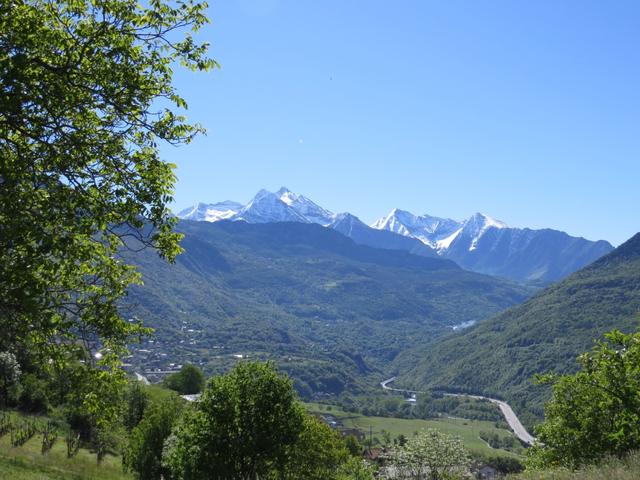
499 357
331 313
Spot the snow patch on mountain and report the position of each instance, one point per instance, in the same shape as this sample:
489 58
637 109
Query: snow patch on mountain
426 228
436 232
211 212
281 206
305 207
267 207
445 243
477 225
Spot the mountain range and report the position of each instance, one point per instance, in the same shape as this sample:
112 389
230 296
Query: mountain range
480 243
500 356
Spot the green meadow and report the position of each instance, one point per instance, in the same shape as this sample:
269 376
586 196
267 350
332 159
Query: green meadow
467 430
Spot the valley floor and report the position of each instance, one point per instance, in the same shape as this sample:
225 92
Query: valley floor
467 430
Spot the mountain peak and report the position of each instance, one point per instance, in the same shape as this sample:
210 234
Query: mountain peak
305 207
626 251
480 221
264 193
345 217
267 207
211 212
429 230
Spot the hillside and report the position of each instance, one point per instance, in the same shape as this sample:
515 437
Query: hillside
329 310
546 333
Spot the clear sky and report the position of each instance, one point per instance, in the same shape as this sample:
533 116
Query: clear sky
528 111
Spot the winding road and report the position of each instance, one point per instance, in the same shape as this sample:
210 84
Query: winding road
507 411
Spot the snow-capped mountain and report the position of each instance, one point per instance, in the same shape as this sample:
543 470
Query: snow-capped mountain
438 233
352 227
211 212
486 245
429 230
305 207
268 207
265 207
287 206
479 243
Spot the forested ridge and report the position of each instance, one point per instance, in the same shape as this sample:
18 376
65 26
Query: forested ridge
545 334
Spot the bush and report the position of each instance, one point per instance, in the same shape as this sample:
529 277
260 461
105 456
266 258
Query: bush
33 396
143 454
430 450
595 412
188 381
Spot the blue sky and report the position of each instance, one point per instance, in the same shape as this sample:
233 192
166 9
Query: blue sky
528 111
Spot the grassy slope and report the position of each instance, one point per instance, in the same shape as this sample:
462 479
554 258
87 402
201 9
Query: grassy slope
27 463
546 333
611 469
467 430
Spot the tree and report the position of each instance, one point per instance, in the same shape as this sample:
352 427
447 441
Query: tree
241 427
317 454
595 412
431 454
188 381
86 95
9 375
353 445
136 402
143 454
93 407
355 469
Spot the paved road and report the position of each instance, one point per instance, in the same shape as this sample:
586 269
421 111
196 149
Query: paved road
143 379
506 410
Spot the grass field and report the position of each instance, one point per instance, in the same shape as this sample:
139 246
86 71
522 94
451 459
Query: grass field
28 463
467 430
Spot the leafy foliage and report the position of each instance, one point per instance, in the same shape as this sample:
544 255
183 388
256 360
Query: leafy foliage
430 454
9 374
187 381
136 401
80 171
317 453
143 454
614 468
241 427
595 412
355 469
